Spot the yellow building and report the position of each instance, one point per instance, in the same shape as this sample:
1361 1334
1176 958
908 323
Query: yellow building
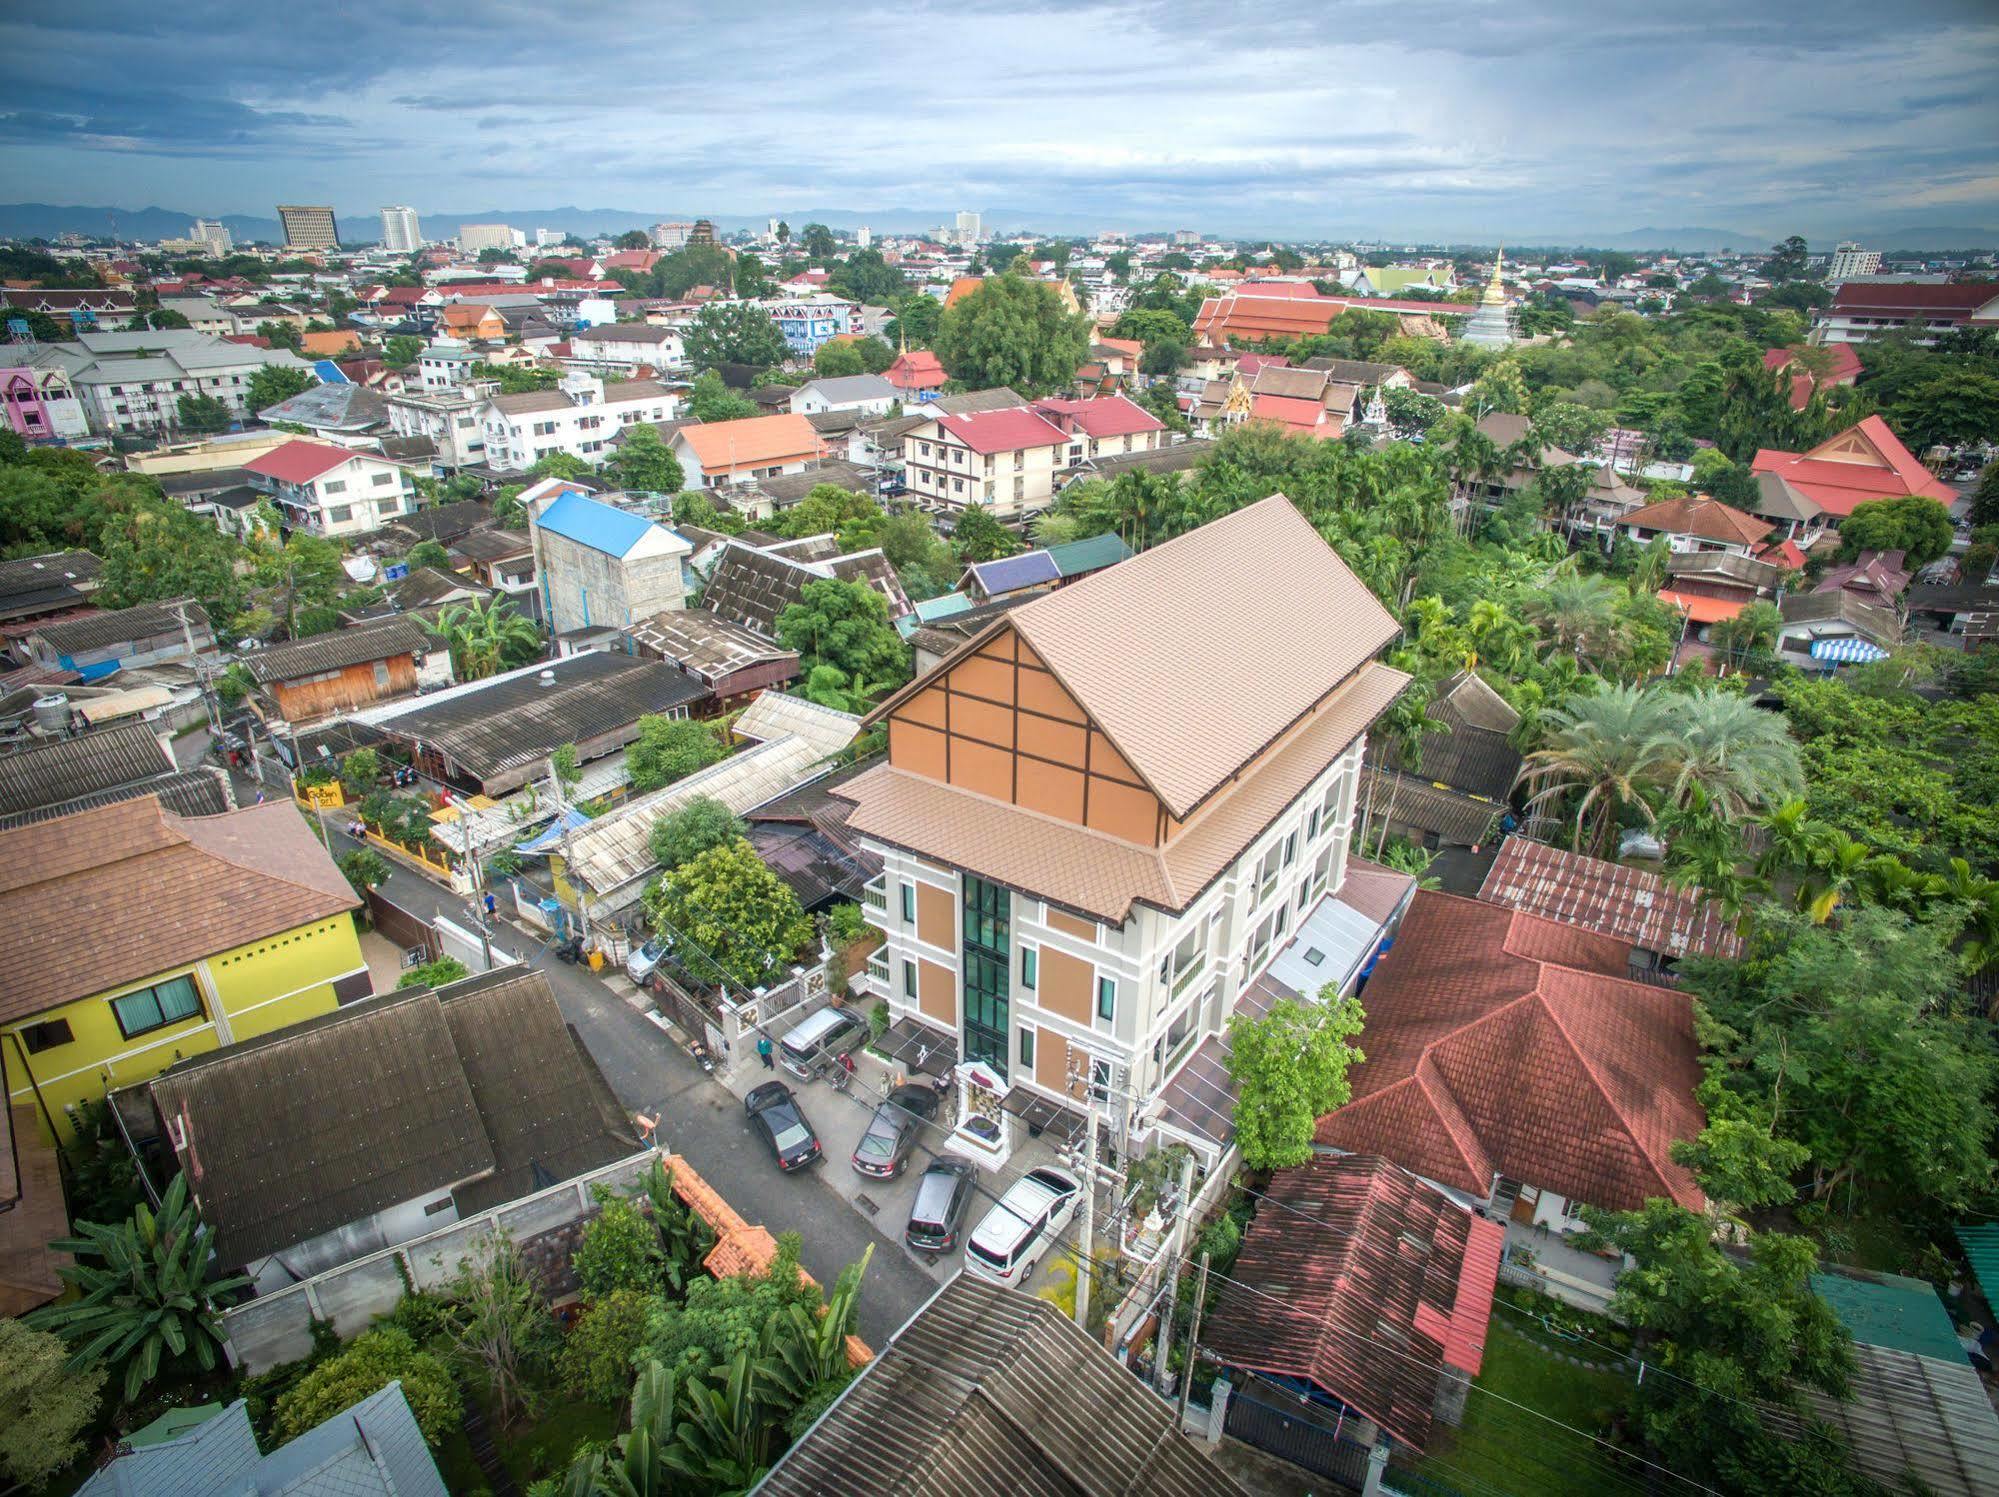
131 938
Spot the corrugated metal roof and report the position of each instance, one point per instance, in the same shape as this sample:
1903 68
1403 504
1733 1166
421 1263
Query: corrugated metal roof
340 648
119 626
1908 1414
775 713
1885 1309
991 1390
602 527
65 768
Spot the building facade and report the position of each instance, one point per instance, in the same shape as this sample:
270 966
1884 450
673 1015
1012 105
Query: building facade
1850 260
213 235
601 566
1092 842
130 384
331 491
809 321
579 417
42 405
309 226
1007 460
402 234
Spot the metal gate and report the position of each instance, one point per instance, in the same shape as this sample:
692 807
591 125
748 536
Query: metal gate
1306 1434
680 1006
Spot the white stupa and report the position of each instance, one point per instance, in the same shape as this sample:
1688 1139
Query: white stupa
1491 326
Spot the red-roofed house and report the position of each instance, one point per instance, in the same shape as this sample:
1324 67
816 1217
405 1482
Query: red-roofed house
915 373
1105 425
1344 1257
1866 309
1514 1060
1306 418
1695 522
1843 368
1006 460
1249 316
1866 461
333 491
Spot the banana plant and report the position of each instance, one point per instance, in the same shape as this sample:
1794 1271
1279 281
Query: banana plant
144 1292
804 1350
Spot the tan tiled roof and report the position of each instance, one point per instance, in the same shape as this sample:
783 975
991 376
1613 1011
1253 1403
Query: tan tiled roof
1196 654
125 891
1100 875
751 442
1699 515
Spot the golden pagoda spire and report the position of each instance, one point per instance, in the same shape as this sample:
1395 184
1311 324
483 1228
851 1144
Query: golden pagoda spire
1495 292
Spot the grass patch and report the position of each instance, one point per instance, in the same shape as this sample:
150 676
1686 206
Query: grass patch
542 1447
1507 1447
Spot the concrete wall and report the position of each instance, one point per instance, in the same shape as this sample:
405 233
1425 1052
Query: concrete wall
584 587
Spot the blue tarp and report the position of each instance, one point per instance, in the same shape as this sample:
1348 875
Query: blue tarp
329 373
550 838
1847 651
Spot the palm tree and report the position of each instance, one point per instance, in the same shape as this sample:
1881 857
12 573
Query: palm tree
1741 756
1606 749
1578 613
1790 839
1836 868
1498 638
144 1291
1753 629
482 635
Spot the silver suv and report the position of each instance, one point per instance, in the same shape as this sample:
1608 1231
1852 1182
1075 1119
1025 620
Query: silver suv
1017 1231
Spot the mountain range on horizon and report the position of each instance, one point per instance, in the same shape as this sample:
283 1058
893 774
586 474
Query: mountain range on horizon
48 221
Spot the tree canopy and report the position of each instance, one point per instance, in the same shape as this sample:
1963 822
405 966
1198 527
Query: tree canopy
1013 331
734 333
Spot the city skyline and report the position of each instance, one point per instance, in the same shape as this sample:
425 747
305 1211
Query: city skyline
1413 123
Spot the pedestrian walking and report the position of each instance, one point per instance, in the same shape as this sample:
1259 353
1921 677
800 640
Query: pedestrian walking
763 1052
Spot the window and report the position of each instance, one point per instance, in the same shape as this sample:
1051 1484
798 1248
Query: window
334 486
1290 849
339 514
1106 998
381 478
153 1008
1100 1080
1312 824
382 674
908 903
1030 966
986 965
909 979
1027 1049
45 1035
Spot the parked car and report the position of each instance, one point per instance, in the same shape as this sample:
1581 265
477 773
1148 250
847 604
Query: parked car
644 960
1017 1231
820 1037
942 1196
884 1148
779 1118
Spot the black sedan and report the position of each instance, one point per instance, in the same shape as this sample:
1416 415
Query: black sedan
776 1113
884 1148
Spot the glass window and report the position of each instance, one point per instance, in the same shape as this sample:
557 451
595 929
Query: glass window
334 486
1027 1049
1290 849
987 966
1030 966
165 1003
909 979
1106 997
45 1035
908 904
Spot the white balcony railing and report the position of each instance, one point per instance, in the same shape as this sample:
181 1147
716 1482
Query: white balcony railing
874 895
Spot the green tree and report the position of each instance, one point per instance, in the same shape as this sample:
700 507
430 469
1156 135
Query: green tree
1985 499
1602 751
45 1406
669 749
1016 332
501 1330
1571 427
566 767
632 239
282 334
732 908
690 266
559 465
1290 1066
301 572
686 832
486 637
817 241
836 360
710 400
1788 261
402 350
917 318
1734 1337
429 554
644 463
364 869
1737 756
619 1251
979 537
596 1357
1912 523
274 383
845 625
519 379
367 1365
202 413
440 973
144 1295
734 333
866 276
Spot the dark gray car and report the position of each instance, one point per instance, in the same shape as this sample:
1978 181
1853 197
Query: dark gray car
884 1148
942 1197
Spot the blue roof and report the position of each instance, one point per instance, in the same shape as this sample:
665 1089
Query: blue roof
1885 1309
599 526
329 373
930 610
1011 573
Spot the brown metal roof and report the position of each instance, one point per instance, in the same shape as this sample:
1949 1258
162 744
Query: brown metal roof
1195 655
1628 904
1089 871
126 891
991 1390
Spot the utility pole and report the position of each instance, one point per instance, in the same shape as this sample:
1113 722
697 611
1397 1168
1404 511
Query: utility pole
478 891
1193 1343
1174 1248
1084 1266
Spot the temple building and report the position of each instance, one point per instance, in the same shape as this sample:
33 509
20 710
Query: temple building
1491 326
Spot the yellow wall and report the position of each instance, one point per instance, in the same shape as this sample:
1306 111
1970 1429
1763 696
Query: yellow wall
254 989
205 457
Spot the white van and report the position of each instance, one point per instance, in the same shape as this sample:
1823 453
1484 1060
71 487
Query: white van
1018 1230
821 1037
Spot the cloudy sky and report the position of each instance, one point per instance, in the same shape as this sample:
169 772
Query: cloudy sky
1337 118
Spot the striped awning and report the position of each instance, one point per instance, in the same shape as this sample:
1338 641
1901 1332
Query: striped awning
1847 651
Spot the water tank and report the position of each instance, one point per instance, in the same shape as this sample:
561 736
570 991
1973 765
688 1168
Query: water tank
52 712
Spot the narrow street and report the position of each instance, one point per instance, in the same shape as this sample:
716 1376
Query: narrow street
698 1117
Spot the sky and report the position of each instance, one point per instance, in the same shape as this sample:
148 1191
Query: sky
1292 118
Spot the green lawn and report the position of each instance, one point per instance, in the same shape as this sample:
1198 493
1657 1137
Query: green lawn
538 1448
1505 1447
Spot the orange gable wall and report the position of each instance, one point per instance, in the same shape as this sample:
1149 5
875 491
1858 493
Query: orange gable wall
998 724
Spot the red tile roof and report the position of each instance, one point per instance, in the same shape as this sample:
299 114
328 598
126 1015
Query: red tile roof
299 462
1866 461
1701 608
1784 553
1250 313
1106 416
1500 1043
1301 415
1963 297
1843 368
1003 431
916 370
1365 1281
1699 515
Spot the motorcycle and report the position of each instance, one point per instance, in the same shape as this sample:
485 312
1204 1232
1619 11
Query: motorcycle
839 1074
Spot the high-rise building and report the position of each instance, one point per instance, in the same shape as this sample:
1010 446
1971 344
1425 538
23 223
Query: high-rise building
309 226
1850 260
703 232
401 233
212 234
671 236
968 228
475 238
543 238
864 236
